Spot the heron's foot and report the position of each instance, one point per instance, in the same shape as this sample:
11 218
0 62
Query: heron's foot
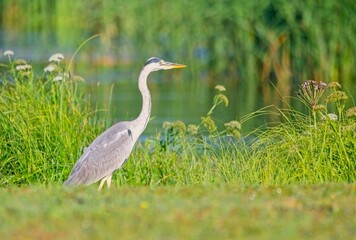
106 179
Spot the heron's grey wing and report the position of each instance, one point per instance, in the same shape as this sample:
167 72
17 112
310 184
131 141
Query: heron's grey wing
103 156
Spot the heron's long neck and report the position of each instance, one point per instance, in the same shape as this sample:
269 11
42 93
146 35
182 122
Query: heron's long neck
142 120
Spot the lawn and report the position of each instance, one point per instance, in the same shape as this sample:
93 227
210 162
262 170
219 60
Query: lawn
324 211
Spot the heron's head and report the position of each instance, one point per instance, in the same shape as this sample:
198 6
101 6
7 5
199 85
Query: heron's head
155 64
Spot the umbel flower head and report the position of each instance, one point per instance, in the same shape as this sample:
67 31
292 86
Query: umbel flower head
336 96
209 124
57 57
23 67
233 128
314 85
8 53
311 92
351 112
50 68
192 129
220 88
334 85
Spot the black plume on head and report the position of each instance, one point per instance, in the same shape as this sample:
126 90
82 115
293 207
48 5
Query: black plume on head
152 60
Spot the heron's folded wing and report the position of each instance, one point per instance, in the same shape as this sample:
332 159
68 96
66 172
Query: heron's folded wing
104 155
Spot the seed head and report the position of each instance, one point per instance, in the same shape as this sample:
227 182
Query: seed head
209 123
233 125
319 108
336 96
180 126
222 98
192 129
167 125
351 112
311 91
220 88
334 85
233 128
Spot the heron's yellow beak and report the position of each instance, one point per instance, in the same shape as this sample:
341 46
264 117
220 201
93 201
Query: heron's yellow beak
173 65
178 65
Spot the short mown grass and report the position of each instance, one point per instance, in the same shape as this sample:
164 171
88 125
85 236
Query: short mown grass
206 212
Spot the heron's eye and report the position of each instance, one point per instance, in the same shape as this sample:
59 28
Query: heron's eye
161 62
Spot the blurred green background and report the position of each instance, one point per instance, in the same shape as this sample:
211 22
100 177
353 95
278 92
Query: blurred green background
259 50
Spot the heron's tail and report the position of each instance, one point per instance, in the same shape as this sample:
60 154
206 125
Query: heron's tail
71 181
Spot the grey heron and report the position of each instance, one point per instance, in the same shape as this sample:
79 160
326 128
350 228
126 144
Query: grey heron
111 149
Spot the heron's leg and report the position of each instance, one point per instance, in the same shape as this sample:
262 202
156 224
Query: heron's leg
102 182
108 180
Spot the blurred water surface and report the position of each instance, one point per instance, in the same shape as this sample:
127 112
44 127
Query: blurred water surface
259 50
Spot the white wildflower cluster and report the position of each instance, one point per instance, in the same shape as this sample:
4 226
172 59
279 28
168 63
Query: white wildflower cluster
24 67
54 69
50 68
8 53
61 77
330 116
20 65
57 58
54 60
55 72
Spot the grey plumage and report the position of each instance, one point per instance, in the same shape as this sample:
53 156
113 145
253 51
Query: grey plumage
111 149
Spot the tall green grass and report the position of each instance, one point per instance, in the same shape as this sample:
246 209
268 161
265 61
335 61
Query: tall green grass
299 149
46 122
